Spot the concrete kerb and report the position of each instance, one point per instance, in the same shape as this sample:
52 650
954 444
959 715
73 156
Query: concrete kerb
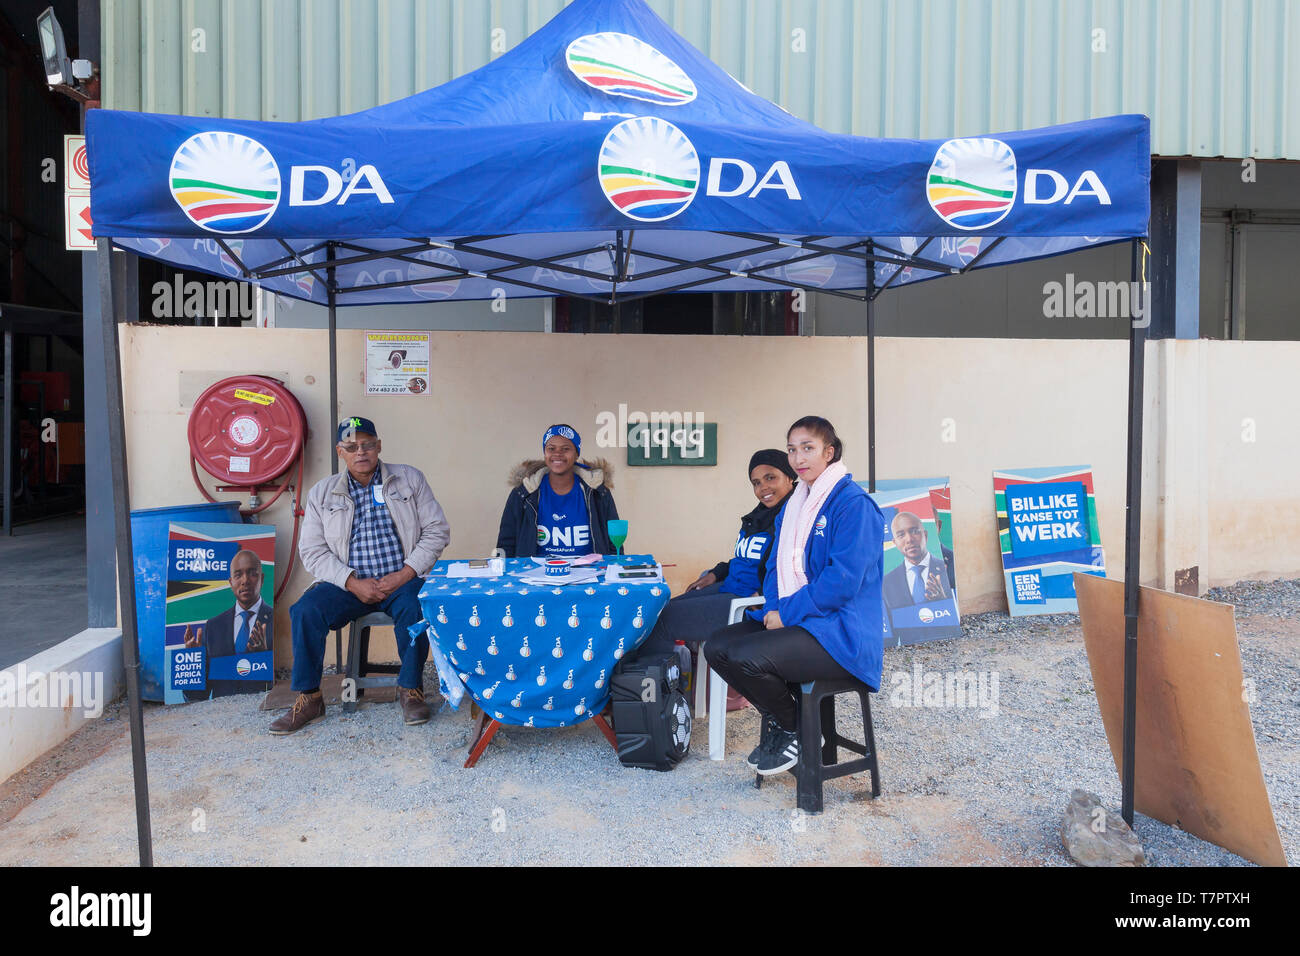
49 696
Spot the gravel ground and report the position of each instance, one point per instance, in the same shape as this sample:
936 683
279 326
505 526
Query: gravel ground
962 785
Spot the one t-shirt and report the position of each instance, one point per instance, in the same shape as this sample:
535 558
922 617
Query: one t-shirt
563 528
742 570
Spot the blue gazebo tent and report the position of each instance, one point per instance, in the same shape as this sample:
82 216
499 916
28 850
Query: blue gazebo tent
606 158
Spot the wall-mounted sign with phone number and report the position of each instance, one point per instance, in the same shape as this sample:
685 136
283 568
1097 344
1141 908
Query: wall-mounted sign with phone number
397 363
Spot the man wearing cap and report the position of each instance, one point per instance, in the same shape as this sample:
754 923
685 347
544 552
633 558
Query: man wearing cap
369 535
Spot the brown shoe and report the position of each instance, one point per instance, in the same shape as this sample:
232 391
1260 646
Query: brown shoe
414 709
306 709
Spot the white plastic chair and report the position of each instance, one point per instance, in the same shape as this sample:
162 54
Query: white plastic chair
717 687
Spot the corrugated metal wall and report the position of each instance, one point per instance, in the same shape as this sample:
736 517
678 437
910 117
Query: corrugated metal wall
1217 77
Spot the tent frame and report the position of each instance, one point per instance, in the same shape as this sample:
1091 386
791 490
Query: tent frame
620 250
868 251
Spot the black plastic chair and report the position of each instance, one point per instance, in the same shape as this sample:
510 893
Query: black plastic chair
820 740
359 664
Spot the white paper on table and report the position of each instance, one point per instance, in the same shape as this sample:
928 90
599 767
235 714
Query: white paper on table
574 576
461 569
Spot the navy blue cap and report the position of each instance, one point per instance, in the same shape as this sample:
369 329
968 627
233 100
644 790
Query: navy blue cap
350 425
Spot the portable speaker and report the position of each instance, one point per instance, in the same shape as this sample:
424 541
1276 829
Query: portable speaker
652 720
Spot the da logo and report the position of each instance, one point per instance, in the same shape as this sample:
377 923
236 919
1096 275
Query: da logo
440 285
648 169
602 262
622 65
225 182
228 264
926 615
304 282
243 668
821 523
972 182
816 272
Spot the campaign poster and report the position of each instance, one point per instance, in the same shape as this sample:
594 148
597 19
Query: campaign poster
1047 526
941 503
397 363
919 583
218 638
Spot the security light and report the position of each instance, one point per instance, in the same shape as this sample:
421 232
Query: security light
58 70
66 76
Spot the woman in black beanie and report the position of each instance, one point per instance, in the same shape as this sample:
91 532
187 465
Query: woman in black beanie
702 608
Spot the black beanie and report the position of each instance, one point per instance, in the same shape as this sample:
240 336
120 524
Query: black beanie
777 459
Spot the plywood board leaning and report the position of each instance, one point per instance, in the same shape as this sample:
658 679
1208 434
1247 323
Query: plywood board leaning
1196 763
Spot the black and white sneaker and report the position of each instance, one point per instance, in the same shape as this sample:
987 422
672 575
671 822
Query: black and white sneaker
782 755
764 741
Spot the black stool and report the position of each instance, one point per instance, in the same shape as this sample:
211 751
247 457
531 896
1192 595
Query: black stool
818 760
359 665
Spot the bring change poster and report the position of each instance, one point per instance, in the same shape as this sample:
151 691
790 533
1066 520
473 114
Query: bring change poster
1047 525
920 579
218 636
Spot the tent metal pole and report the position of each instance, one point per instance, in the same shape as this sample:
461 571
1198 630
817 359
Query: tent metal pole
334 347
1133 532
125 550
871 375
9 433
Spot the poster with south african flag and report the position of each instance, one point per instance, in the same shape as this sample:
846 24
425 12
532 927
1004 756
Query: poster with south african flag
218 638
919 587
1047 526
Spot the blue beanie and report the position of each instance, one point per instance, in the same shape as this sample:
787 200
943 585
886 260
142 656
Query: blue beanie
563 431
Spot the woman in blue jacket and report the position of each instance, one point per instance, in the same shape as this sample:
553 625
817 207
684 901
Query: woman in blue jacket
822 616
696 613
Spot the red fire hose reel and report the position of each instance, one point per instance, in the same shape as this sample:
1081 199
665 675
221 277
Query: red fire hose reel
249 432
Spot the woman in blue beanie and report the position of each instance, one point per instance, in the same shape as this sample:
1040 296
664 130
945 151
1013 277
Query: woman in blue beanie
559 506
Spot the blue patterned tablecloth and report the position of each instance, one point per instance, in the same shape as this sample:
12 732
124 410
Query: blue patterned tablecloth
538 656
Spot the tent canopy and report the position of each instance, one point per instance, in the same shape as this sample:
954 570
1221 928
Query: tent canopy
603 157
607 158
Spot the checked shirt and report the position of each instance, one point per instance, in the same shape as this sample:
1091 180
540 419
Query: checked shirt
375 549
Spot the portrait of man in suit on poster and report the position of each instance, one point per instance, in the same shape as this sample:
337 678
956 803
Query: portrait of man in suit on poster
243 629
922 577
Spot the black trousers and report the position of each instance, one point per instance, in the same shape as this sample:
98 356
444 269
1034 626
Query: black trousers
691 617
761 664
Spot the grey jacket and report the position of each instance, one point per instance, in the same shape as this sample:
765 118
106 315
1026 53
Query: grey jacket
327 525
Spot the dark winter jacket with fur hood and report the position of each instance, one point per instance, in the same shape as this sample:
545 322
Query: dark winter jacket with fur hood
518 534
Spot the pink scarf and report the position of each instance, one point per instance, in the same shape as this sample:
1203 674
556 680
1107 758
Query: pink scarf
797 524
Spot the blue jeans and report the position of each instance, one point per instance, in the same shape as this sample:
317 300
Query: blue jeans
325 606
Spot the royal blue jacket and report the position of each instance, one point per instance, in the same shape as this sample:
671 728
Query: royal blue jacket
841 603
743 574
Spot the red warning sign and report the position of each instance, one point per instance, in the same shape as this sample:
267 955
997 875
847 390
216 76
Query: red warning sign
76 168
76 216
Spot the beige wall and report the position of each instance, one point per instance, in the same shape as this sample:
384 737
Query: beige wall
960 407
1253 452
